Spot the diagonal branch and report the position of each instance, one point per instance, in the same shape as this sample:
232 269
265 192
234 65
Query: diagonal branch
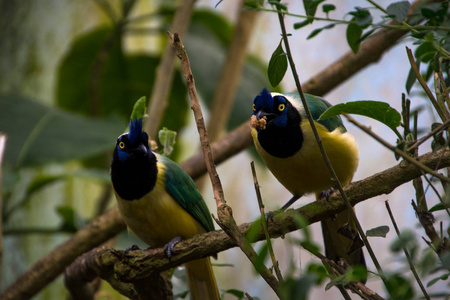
139 264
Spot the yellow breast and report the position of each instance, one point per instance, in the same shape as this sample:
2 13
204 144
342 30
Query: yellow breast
157 218
305 171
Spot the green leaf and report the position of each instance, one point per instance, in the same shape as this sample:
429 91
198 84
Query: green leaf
299 25
340 280
425 52
362 17
377 110
319 270
253 232
72 221
399 287
41 181
318 30
354 33
262 255
406 240
439 278
279 6
112 85
167 139
237 293
399 10
436 207
139 109
311 6
326 8
277 66
411 78
38 134
380 231
251 4
297 288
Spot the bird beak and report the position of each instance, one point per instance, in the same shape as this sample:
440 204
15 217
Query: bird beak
140 150
260 114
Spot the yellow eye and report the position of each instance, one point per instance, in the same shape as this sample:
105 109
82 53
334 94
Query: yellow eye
281 107
254 107
121 145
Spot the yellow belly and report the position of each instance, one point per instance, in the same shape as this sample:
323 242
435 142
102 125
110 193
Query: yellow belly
157 218
305 171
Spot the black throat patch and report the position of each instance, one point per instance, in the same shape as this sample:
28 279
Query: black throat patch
285 141
135 177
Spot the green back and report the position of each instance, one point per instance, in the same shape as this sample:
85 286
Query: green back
317 106
182 188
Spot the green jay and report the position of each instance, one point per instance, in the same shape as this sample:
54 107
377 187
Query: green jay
161 204
285 141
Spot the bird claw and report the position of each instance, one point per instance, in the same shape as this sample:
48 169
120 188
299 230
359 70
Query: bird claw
326 194
132 248
269 215
168 248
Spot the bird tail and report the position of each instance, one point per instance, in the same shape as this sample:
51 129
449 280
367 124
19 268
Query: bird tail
202 283
342 240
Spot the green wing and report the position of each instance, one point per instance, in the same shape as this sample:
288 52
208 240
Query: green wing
182 188
317 106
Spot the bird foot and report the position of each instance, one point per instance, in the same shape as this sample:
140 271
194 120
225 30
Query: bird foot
326 194
132 248
168 248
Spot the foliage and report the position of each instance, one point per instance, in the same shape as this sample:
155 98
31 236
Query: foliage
98 83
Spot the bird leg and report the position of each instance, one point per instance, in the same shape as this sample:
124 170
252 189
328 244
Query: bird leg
290 202
132 248
168 248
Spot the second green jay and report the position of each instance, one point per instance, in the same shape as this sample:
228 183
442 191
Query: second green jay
285 141
161 204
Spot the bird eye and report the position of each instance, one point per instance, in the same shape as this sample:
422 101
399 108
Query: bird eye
254 106
281 107
121 145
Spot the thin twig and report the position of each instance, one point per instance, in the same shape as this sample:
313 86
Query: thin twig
446 208
408 257
424 85
324 155
396 150
430 134
224 212
264 224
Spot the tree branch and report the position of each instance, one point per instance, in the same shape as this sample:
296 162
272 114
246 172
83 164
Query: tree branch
137 265
166 70
224 212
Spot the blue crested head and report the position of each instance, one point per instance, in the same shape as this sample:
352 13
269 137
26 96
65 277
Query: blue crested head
136 135
273 108
264 100
134 143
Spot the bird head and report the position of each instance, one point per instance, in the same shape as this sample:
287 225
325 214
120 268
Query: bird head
134 143
272 106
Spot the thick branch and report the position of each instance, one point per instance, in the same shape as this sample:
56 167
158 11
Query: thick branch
49 267
139 264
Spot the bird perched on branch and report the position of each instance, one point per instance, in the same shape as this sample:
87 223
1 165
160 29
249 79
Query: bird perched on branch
285 141
161 204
